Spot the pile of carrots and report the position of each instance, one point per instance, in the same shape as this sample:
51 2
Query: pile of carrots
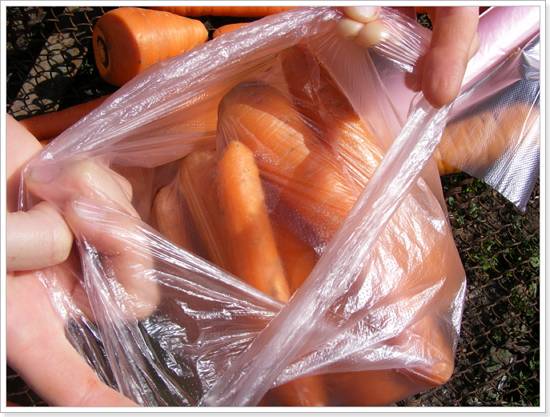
231 205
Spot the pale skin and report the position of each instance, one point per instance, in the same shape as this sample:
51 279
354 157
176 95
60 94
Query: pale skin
454 42
39 238
36 345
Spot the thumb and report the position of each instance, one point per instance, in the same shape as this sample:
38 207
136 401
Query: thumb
36 238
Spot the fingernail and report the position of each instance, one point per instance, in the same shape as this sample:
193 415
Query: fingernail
363 14
439 88
348 28
371 34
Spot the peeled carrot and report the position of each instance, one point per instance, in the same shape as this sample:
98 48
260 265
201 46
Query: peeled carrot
47 126
327 183
231 11
169 217
307 391
227 28
128 40
255 257
290 154
196 178
383 387
298 259
372 388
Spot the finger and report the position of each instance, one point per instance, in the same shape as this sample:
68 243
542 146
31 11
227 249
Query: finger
63 183
124 184
371 34
362 14
38 350
474 46
37 238
454 32
349 28
21 146
99 213
128 261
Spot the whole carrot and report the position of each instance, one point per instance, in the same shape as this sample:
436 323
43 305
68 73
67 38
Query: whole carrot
476 141
47 126
227 28
384 387
196 179
255 257
298 257
128 40
254 253
262 118
169 217
230 11
331 112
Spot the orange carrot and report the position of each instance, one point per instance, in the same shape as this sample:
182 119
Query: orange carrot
232 11
196 180
330 111
384 387
227 28
255 257
169 217
298 257
266 122
128 40
308 391
350 141
47 126
254 254
327 183
289 154
477 141
372 388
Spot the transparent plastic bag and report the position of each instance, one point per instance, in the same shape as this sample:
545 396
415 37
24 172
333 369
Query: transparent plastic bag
497 138
492 134
272 144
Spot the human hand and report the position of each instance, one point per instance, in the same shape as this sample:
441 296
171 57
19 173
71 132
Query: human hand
36 344
454 41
